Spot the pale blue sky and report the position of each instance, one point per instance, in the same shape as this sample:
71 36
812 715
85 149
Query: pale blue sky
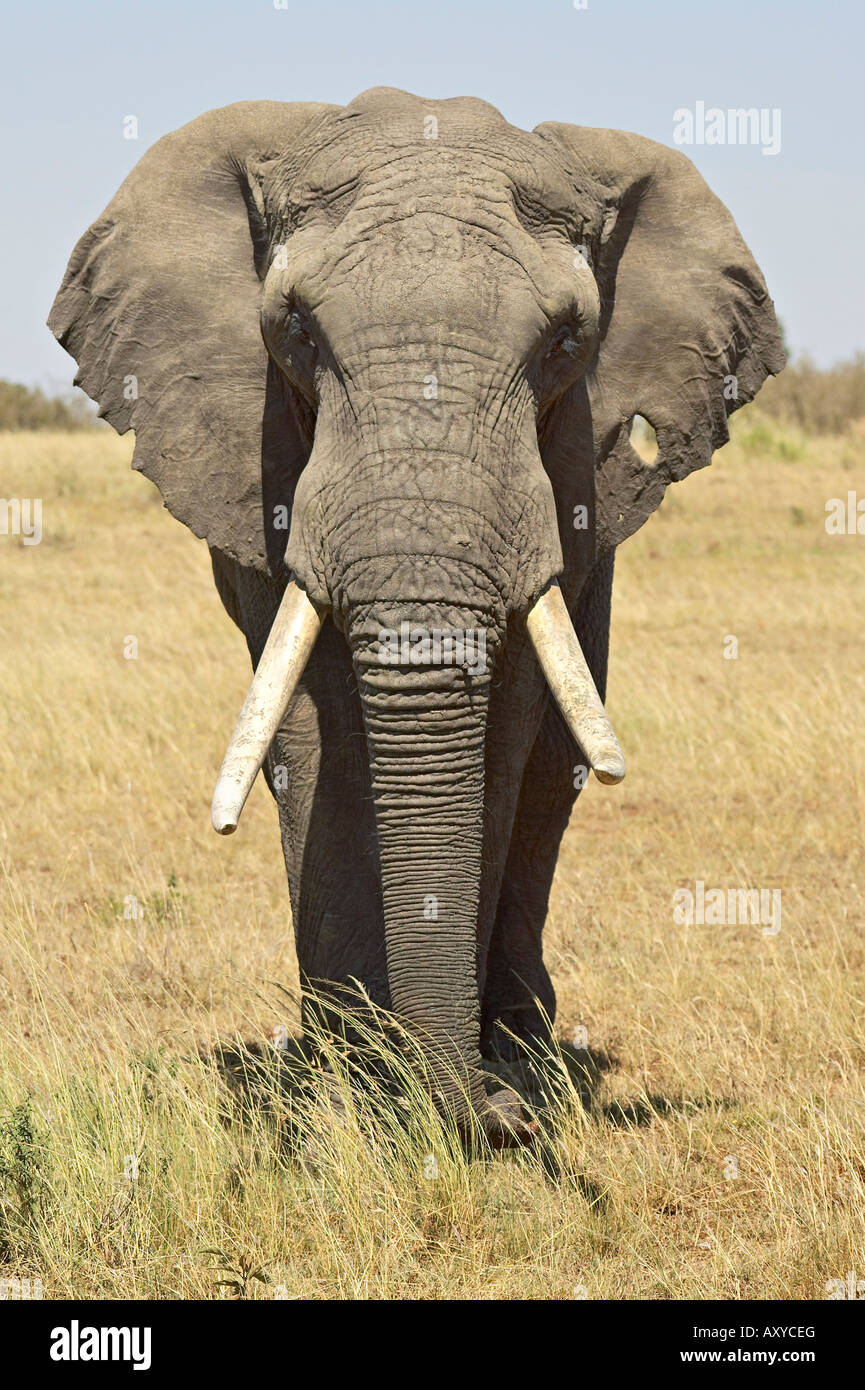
71 72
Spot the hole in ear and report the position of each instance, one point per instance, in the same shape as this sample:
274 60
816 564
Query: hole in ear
643 439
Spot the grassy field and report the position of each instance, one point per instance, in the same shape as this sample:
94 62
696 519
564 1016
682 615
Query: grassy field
722 1150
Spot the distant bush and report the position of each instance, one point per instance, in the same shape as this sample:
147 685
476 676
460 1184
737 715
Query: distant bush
819 401
28 408
759 433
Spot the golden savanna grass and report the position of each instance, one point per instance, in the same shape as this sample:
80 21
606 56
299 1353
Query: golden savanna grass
721 1152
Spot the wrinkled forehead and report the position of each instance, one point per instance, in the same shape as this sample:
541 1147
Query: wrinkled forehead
458 146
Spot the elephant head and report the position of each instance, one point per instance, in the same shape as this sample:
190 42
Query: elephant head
422 334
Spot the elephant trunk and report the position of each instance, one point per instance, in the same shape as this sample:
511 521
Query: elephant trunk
426 727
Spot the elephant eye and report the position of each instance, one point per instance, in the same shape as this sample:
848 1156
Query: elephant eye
564 344
295 329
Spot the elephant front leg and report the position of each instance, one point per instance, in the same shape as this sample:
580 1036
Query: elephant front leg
518 995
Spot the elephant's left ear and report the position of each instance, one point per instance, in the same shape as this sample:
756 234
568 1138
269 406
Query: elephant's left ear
160 308
688 330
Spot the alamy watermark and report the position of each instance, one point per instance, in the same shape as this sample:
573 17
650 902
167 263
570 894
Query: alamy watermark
846 519
737 125
77 1343
20 1289
717 907
436 646
851 1287
21 516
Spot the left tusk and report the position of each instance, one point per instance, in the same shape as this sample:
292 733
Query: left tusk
562 661
295 628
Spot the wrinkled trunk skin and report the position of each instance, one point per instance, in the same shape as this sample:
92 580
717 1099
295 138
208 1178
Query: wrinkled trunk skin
425 733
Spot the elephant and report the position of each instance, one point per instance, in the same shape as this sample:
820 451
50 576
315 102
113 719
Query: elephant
385 359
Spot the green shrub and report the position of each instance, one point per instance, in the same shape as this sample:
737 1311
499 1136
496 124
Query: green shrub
28 408
819 401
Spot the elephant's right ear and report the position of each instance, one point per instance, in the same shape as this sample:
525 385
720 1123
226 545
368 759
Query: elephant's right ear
160 308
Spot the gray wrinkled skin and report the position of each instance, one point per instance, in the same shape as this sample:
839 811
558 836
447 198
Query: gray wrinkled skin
422 335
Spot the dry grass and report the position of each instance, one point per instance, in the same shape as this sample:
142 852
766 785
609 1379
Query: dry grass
722 1050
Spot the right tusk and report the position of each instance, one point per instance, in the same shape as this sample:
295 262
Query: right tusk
295 628
570 680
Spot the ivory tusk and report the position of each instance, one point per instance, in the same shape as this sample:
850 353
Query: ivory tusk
570 680
292 637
